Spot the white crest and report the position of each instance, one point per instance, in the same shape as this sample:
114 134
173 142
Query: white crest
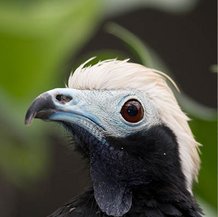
115 74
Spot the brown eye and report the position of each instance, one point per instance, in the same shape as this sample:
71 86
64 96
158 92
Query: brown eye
132 111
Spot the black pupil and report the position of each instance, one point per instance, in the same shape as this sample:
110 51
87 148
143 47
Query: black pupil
132 110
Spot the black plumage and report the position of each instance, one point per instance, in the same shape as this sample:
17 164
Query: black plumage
140 150
163 193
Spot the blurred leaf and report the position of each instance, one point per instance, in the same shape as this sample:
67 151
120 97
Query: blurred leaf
196 109
99 56
149 58
139 49
208 210
23 164
37 39
206 133
214 68
23 157
114 7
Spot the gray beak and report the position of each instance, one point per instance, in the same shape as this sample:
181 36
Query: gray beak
42 107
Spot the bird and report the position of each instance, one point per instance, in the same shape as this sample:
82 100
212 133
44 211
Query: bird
125 120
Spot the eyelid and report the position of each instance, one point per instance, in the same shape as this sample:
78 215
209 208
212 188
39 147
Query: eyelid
125 99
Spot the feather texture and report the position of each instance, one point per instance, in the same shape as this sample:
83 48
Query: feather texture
85 205
115 74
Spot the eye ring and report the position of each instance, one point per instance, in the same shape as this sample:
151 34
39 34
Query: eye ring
132 111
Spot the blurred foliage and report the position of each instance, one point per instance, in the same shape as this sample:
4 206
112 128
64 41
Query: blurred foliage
206 133
114 7
36 39
146 56
214 68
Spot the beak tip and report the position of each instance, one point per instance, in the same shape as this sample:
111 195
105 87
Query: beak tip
27 122
40 108
28 119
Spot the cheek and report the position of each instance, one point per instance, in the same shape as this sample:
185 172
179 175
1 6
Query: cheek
117 128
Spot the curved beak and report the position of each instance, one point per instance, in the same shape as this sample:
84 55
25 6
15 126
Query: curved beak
42 107
61 104
48 103
73 108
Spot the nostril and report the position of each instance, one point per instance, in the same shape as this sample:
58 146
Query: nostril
63 99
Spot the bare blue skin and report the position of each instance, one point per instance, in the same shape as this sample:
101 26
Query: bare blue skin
123 156
95 115
91 104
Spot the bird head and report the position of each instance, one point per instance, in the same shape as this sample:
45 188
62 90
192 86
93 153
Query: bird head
129 125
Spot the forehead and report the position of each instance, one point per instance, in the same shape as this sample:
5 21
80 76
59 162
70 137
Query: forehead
111 95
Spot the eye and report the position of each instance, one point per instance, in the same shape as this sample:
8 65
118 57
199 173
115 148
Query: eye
132 111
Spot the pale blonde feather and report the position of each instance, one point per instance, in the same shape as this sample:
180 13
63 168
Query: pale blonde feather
116 74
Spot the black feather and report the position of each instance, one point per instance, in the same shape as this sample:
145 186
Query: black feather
148 165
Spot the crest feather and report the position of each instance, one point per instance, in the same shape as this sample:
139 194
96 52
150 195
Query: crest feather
116 74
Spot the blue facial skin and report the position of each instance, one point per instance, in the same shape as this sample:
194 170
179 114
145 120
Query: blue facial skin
94 118
130 163
103 107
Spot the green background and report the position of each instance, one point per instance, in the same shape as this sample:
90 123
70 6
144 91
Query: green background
37 41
